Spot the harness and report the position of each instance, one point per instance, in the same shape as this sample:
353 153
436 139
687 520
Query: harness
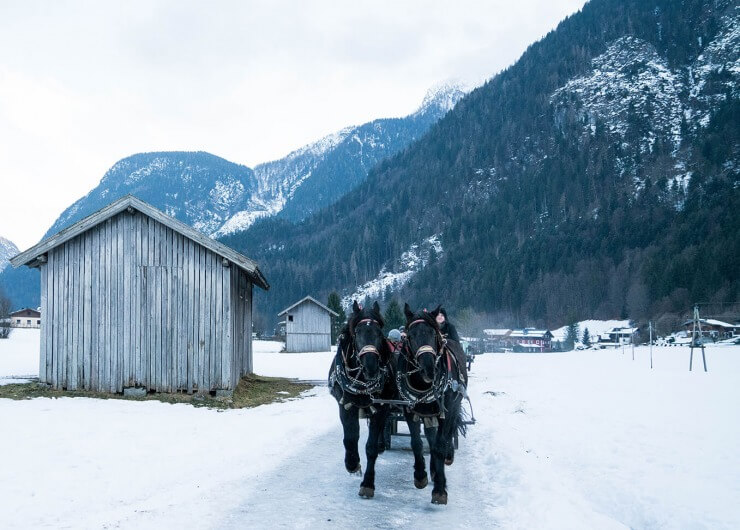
408 364
356 391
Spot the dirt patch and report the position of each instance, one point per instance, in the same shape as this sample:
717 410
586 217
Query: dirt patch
252 391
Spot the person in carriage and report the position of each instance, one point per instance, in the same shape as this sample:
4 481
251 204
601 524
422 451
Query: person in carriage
446 327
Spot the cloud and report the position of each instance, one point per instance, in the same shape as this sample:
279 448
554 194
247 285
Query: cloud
83 84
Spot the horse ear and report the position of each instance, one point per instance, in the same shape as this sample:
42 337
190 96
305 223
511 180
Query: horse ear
356 307
407 311
376 307
436 311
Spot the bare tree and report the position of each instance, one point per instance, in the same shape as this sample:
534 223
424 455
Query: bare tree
4 315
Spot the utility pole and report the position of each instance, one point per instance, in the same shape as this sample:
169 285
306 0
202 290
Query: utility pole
650 325
697 324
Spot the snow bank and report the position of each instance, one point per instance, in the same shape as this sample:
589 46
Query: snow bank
595 440
19 356
307 366
595 328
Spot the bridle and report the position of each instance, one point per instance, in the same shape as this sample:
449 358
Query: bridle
441 341
368 348
409 364
350 378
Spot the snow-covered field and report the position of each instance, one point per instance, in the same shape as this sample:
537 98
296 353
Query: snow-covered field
588 439
19 356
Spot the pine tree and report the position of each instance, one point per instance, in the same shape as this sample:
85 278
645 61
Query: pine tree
335 305
571 336
586 340
393 316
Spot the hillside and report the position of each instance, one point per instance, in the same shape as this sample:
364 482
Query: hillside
598 177
219 197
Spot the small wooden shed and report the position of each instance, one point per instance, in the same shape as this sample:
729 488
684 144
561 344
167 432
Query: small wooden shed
307 326
132 297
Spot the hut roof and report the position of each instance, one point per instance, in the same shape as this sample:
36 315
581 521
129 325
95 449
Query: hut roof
33 256
311 299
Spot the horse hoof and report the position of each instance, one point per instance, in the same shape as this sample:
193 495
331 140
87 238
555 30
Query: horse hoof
449 461
366 493
355 471
439 498
421 483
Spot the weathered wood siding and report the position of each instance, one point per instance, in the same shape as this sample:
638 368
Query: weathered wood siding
309 330
131 302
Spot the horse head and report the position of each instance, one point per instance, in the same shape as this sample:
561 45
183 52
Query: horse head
365 328
423 340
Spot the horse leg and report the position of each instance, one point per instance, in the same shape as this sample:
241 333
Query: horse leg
431 435
351 426
438 450
417 446
454 419
377 424
384 441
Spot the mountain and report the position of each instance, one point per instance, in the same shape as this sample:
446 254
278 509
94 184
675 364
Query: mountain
320 173
597 177
7 251
218 197
199 188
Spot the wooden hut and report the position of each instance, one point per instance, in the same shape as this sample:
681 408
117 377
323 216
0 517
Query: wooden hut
134 298
307 326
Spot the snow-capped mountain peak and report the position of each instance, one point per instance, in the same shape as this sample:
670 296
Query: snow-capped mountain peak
7 251
443 96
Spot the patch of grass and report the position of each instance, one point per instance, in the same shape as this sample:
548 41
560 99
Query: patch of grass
252 391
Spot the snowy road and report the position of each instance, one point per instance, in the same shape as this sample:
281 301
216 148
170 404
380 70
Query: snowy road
314 490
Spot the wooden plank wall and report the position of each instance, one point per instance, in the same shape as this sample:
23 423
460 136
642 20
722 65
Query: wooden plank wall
310 329
131 302
242 324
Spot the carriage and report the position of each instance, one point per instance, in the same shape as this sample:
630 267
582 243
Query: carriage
397 416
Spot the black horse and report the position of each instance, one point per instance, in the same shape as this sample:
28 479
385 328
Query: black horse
431 375
360 372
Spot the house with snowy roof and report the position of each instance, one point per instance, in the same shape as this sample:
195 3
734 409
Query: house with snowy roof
716 329
531 340
618 336
25 318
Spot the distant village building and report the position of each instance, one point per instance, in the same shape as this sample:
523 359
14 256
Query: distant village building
25 318
521 340
619 336
132 297
715 329
531 340
307 326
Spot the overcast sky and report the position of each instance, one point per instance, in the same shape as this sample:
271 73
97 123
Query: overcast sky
84 84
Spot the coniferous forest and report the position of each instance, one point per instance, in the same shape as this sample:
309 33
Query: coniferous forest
554 198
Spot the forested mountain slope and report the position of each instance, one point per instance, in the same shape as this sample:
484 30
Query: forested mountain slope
596 177
218 197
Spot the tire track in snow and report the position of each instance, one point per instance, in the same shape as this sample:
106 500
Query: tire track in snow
314 490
